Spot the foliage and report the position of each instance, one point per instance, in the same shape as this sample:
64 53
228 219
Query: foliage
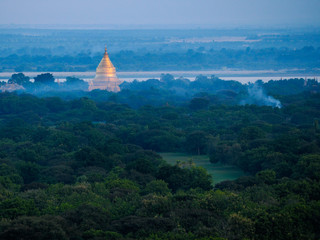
87 169
45 78
20 79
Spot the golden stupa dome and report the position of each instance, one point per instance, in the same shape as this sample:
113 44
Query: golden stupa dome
106 78
105 66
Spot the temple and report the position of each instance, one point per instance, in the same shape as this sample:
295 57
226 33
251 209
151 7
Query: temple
106 78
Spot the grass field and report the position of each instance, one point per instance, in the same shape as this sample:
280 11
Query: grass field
218 171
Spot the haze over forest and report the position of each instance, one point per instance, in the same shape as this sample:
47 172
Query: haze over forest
180 155
29 49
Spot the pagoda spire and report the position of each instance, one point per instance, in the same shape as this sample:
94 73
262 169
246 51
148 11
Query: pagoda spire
106 78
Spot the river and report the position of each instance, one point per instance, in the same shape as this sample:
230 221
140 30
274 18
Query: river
243 76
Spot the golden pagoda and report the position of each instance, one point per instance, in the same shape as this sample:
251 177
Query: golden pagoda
106 78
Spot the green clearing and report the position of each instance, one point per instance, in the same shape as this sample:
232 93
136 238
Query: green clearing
218 171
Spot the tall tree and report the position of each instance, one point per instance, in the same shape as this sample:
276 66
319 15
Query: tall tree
19 78
45 78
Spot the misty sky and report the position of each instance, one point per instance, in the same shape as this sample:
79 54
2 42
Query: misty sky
210 12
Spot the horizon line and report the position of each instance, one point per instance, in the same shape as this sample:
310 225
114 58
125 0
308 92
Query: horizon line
154 26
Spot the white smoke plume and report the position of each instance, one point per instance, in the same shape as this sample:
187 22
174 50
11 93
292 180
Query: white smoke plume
257 96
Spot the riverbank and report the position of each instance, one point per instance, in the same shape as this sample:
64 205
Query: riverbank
243 76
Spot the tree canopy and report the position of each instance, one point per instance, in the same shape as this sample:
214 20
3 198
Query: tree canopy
89 167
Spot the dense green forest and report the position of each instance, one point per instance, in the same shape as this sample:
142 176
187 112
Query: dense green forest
85 165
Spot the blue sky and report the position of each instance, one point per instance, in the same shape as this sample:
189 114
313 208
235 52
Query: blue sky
166 12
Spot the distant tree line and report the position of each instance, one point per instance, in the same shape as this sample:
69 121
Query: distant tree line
201 92
46 82
200 59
